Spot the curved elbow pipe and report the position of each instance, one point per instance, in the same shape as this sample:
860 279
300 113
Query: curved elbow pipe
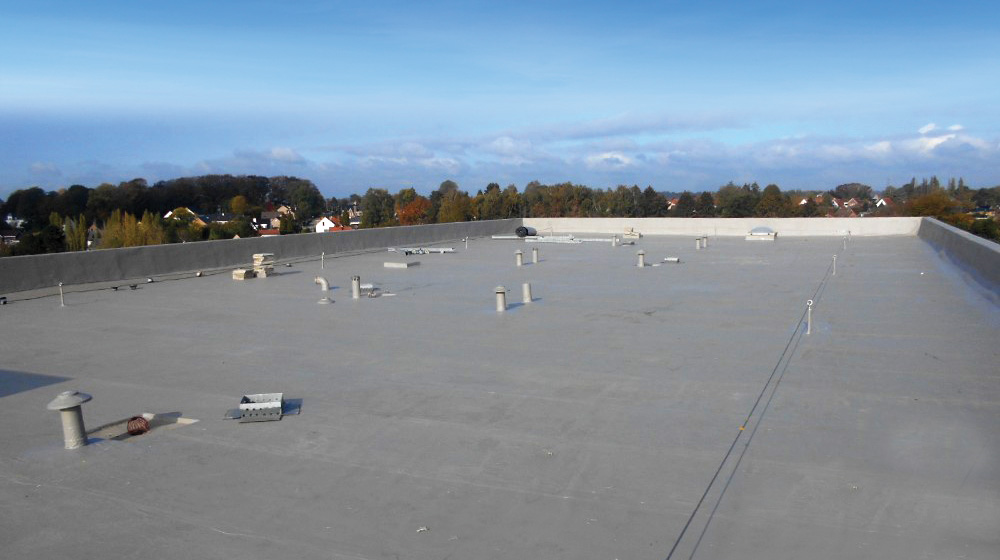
324 285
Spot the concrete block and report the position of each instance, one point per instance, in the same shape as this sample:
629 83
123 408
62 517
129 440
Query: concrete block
388 264
242 274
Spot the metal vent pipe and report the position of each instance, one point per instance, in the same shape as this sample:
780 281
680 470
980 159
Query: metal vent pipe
68 404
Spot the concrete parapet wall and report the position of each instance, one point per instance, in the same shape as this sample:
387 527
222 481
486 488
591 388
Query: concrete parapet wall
43 271
794 227
977 256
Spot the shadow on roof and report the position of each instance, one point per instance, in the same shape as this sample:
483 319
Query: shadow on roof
12 382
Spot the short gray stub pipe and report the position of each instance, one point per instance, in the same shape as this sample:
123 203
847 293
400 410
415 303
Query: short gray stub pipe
697 244
526 292
809 316
68 404
356 287
534 255
704 241
519 257
642 259
834 265
845 243
501 299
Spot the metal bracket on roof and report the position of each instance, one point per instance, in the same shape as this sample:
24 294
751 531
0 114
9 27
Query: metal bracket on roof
264 407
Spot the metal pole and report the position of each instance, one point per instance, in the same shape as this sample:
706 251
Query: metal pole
526 292
534 255
519 257
322 260
809 316
834 265
501 299
62 299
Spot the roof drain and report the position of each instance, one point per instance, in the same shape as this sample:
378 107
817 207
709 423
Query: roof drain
324 286
68 404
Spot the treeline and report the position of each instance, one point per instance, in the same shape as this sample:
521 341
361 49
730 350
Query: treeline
131 212
207 194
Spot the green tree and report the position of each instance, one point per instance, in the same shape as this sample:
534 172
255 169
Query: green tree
287 225
239 205
772 203
706 205
377 208
685 207
936 203
456 206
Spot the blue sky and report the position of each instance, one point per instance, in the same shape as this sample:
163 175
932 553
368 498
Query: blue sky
677 95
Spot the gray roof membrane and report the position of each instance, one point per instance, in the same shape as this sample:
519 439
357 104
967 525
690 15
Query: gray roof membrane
621 409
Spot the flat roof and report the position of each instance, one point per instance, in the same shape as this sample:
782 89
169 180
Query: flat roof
588 423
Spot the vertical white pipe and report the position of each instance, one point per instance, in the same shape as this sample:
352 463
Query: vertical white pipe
834 265
642 259
356 287
519 257
809 316
534 255
526 292
62 299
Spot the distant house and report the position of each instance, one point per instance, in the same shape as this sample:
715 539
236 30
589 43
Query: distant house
9 236
885 202
852 203
354 216
843 212
672 203
219 218
327 223
283 209
270 219
267 232
184 214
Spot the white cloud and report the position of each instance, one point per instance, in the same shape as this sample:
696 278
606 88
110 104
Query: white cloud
926 128
955 127
608 160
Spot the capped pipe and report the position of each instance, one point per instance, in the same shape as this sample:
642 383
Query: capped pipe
501 299
697 243
62 299
672 259
322 260
356 287
519 257
534 255
526 292
704 241
809 316
642 258
68 404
